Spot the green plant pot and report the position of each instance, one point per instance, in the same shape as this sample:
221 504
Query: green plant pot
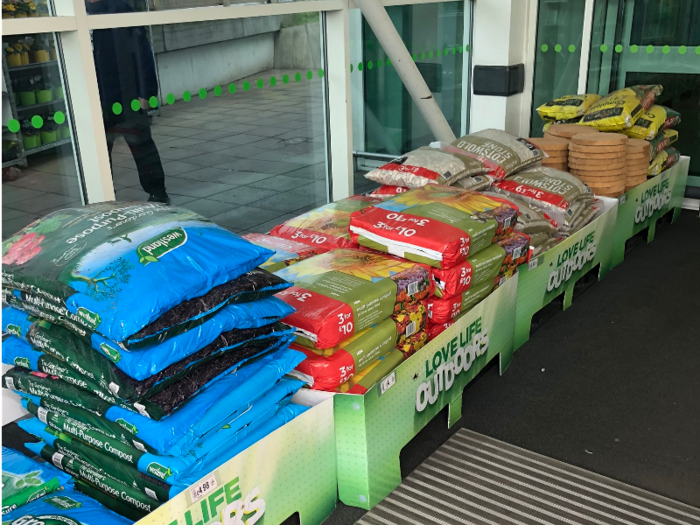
58 93
47 137
44 95
65 132
27 98
32 141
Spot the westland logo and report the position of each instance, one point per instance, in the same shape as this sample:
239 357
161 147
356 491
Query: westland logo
14 330
129 427
446 364
573 259
48 519
154 248
91 319
159 471
23 362
653 200
110 352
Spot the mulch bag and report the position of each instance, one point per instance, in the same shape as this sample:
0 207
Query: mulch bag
662 141
567 107
475 183
25 480
657 118
412 344
328 369
531 220
147 362
119 266
361 382
551 123
621 108
343 292
663 161
547 189
441 311
68 507
97 477
286 252
325 227
437 225
502 153
386 191
427 165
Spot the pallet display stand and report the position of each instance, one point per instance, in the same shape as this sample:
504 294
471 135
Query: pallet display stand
642 207
371 429
557 271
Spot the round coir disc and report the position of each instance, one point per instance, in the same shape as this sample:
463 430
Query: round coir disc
601 180
599 139
566 131
594 163
638 145
550 143
596 150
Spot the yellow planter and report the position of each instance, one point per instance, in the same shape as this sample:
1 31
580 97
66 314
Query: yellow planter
14 60
41 56
8 15
52 53
33 14
20 15
24 57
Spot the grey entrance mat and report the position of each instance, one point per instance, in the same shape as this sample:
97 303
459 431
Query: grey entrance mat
474 479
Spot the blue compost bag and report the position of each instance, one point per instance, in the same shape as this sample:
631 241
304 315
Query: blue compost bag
117 267
68 507
146 362
209 450
24 480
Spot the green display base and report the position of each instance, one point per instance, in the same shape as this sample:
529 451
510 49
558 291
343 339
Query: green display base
642 207
289 471
371 429
556 271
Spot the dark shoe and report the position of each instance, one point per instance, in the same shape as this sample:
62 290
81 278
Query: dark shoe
160 197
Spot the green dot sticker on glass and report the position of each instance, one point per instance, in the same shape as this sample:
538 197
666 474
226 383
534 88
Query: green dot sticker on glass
466 49
170 98
360 66
618 48
309 75
285 79
117 108
431 54
217 91
259 83
634 49
697 50
59 117
297 77
13 125
544 48
153 102
321 73
388 62
557 48
415 57
246 85
572 48
187 96
370 65
439 52
135 105
232 88
603 48
422 55
380 63
202 93
650 49
273 81
682 50
666 50
454 50
37 121
459 49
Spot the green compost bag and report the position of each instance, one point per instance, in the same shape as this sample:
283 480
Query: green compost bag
24 480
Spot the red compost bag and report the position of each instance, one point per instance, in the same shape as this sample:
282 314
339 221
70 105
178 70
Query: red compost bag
286 252
386 191
344 291
436 225
327 226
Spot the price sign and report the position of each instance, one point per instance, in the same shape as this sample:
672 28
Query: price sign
204 487
386 383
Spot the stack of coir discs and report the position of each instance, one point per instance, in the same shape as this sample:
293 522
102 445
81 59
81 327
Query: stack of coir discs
557 151
599 160
638 152
566 131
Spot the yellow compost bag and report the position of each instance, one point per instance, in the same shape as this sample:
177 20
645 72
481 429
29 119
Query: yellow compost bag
621 108
567 107
657 118
663 161
550 123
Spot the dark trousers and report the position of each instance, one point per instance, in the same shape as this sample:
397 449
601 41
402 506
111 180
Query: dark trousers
136 130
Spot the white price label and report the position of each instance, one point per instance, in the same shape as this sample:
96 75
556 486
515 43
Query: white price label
56 459
10 383
150 493
204 487
533 264
411 328
413 288
622 199
41 413
387 383
664 175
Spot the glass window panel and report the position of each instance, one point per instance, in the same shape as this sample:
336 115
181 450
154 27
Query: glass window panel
121 6
39 169
225 118
557 55
26 9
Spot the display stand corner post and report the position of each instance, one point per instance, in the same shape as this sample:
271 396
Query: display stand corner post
372 429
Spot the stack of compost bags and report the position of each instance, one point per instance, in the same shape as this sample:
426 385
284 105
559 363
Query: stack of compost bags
352 308
147 343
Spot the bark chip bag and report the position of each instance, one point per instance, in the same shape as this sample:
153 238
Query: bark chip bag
621 108
426 165
286 252
437 225
386 191
567 107
120 266
343 292
325 227
656 119
502 153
